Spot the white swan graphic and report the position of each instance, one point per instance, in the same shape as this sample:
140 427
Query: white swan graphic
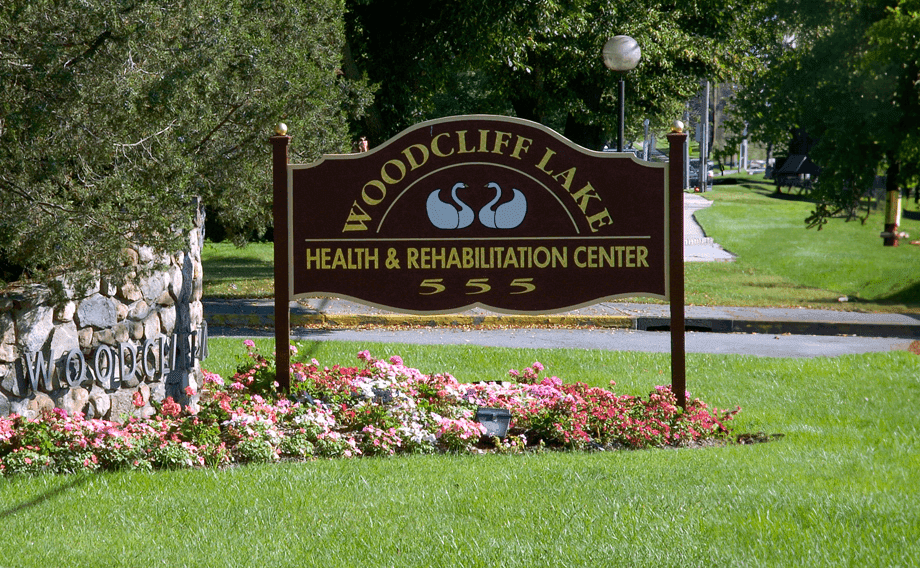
444 215
507 215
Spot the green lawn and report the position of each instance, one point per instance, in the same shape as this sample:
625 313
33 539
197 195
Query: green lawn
838 490
780 262
779 257
234 272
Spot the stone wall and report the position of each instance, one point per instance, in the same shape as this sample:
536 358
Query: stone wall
111 351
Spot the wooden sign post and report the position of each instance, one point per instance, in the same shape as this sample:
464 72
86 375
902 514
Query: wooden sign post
487 211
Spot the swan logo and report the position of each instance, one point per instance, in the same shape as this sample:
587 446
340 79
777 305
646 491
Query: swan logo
459 215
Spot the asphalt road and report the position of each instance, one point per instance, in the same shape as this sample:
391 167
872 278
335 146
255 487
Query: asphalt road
761 345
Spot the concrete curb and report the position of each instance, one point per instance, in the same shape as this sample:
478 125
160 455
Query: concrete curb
245 314
776 327
403 320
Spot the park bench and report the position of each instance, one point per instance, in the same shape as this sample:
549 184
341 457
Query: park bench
796 171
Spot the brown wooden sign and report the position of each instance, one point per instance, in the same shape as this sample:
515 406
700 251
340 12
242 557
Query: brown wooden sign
478 211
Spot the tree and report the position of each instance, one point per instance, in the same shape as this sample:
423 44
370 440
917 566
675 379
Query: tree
540 59
116 116
848 74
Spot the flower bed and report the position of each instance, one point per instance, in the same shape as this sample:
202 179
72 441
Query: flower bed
378 408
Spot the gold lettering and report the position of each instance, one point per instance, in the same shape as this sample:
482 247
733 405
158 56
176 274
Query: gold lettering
373 200
560 257
592 257
339 260
541 257
356 219
314 257
372 257
520 147
453 259
436 150
501 141
598 220
425 258
583 195
461 143
412 258
526 256
575 257
399 166
413 163
641 255
567 177
630 257
607 258
437 257
483 141
543 163
469 257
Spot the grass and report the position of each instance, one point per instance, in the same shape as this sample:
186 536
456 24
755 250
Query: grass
233 272
781 257
780 262
837 490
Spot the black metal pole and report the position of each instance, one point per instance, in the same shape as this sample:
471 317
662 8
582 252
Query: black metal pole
622 105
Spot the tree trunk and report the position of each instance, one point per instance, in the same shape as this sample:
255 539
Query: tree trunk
373 121
590 136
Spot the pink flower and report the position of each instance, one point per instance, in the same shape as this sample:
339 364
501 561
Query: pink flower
171 407
364 355
189 391
213 378
537 366
249 343
396 360
137 399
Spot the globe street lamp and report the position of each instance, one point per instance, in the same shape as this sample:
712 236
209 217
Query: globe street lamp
621 53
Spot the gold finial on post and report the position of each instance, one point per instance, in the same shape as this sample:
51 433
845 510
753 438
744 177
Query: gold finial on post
677 127
281 129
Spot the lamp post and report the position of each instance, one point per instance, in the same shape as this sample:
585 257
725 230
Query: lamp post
621 53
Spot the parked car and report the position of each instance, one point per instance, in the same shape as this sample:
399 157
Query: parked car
695 171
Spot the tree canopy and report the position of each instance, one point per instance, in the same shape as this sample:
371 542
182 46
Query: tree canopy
847 74
117 115
540 59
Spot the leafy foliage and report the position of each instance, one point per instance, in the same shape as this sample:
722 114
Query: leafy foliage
848 74
540 59
116 116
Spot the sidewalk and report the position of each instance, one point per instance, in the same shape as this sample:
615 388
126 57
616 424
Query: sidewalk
644 317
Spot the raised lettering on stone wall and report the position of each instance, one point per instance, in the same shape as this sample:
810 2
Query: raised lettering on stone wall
108 366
